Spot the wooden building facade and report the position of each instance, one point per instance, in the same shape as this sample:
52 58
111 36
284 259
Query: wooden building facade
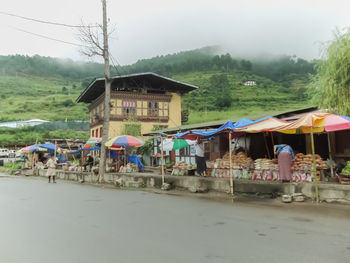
147 99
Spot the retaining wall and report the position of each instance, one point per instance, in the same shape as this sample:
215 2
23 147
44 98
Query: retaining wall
328 192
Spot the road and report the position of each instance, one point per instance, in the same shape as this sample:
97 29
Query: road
70 222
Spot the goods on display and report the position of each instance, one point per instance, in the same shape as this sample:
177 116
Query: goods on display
241 166
344 177
239 161
266 164
303 162
346 169
129 168
181 168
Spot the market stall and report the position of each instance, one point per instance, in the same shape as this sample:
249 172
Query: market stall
131 163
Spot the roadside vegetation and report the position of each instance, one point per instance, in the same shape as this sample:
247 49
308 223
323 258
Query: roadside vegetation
28 136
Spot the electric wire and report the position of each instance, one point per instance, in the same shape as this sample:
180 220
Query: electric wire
50 38
43 21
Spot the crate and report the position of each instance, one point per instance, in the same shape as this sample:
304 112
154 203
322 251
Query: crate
344 178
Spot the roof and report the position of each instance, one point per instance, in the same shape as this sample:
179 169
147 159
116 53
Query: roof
217 124
296 114
35 120
201 126
158 82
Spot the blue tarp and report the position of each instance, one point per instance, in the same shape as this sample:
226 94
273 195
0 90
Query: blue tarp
229 125
136 160
87 149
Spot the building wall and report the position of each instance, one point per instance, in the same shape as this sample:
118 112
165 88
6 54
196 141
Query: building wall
175 111
172 120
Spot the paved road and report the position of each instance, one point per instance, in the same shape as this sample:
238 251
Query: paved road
67 222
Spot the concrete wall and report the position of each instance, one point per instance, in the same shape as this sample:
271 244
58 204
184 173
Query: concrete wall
328 192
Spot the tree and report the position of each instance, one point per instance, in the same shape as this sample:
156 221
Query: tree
330 87
64 90
246 65
220 87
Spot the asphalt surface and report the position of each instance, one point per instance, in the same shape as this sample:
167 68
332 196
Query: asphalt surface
70 222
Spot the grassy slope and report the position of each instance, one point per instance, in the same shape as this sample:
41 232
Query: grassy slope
25 98
33 97
266 98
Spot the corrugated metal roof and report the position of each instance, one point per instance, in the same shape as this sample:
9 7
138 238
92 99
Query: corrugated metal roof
218 123
96 87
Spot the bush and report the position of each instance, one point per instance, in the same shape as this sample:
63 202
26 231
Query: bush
68 103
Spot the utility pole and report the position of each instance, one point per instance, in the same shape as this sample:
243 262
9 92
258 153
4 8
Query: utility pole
105 129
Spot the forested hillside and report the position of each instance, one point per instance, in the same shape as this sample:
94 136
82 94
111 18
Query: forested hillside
46 88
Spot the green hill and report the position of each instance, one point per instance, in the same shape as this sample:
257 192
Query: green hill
25 97
46 88
266 97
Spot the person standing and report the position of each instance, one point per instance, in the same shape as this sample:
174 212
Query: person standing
285 156
51 169
200 160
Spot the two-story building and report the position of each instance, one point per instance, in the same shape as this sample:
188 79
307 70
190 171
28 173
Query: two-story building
146 100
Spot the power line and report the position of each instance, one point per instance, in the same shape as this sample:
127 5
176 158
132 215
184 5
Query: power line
50 38
43 21
114 59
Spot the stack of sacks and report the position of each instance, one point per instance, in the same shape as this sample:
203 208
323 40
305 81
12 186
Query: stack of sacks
304 162
265 164
239 161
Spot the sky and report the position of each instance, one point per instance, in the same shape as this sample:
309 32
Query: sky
144 29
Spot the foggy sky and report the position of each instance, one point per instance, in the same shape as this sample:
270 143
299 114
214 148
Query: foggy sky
154 27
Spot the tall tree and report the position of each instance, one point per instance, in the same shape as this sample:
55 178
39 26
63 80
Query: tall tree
331 84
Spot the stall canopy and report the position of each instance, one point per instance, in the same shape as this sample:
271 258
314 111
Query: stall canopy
32 148
124 141
51 148
316 122
175 144
264 124
92 143
336 123
228 126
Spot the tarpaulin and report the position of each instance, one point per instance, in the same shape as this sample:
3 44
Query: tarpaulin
261 125
228 126
136 160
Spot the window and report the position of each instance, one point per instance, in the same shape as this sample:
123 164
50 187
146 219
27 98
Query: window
129 108
101 132
164 109
92 133
153 109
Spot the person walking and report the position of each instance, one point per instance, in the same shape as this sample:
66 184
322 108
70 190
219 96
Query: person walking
285 156
51 169
200 160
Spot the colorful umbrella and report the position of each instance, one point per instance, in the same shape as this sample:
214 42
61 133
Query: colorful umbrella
51 147
124 141
175 144
336 123
32 148
93 142
316 122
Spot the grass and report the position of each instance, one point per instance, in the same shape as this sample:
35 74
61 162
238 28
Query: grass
27 136
267 98
24 98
